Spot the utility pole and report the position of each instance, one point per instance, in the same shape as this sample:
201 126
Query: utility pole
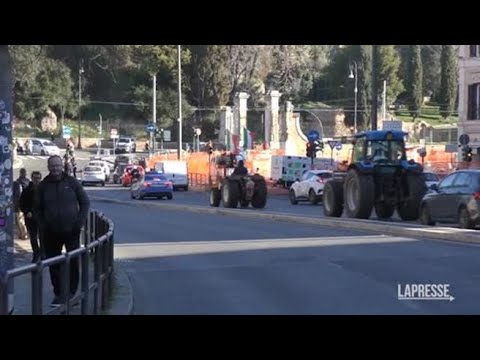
99 134
384 100
179 156
374 86
153 138
80 72
6 185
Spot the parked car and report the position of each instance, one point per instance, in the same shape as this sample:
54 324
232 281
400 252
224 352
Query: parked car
152 184
430 178
310 187
456 199
93 175
44 147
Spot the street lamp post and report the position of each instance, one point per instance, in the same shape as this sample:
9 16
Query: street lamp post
179 53
80 72
354 75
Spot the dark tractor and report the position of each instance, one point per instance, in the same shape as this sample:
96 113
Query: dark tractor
232 190
379 176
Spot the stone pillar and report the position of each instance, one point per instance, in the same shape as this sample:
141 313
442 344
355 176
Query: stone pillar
240 115
226 124
272 122
285 118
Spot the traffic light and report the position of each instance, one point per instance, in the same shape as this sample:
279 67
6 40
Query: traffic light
318 146
467 154
310 150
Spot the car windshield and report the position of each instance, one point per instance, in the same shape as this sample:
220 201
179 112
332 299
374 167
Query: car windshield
155 178
430 177
325 175
92 169
48 143
387 151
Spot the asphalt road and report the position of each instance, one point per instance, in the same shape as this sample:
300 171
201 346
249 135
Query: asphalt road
188 263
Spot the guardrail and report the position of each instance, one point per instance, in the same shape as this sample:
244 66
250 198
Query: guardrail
97 247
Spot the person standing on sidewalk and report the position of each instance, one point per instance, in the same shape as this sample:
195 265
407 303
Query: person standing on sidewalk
61 206
18 187
26 205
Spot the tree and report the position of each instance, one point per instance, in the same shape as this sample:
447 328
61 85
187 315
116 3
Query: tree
431 70
364 55
28 61
389 65
414 81
449 81
209 75
290 74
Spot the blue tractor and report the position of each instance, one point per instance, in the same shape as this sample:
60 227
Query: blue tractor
379 177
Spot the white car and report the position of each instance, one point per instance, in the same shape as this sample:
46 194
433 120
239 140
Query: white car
430 179
310 187
44 147
93 175
102 164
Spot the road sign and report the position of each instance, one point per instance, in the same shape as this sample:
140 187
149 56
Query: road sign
313 135
67 132
451 148
167 135
392 125
338 146
113 134
422 152
332 143
151 127
464 139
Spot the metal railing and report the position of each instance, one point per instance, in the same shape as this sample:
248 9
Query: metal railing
198 180
98 243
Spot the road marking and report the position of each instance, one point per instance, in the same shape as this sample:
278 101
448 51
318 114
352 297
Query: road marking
165 249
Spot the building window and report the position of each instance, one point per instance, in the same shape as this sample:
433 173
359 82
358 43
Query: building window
474 50
474 102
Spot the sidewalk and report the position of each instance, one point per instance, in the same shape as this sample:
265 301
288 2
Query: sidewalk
121 304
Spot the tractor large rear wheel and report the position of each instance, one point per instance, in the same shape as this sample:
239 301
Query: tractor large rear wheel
333 198
230 194
410 208
359 193
259 199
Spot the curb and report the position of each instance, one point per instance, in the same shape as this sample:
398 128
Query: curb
122 301
384 227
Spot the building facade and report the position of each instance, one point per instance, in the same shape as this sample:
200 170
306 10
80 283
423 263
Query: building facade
469 96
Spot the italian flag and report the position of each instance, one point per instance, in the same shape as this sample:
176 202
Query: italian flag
247 139
232 141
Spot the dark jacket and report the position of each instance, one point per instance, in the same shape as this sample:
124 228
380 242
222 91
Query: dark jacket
19 186
27 198
240 170
61 205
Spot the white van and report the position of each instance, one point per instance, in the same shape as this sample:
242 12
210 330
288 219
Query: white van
176 171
